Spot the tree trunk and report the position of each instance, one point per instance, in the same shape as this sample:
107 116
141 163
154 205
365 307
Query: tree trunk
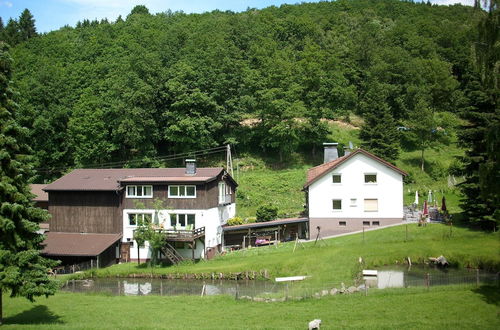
422 160
138 255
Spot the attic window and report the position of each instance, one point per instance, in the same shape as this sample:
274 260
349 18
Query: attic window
370 178
337 178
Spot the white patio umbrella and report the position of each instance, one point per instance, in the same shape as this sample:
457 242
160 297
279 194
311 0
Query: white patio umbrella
416 198
429 198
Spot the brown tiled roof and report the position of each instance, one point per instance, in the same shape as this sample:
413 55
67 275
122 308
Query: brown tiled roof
40 195
76 244
155 179
317 172
109 179
264 224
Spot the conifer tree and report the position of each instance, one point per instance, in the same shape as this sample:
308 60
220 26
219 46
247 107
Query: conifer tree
380 134
27 27
11 32
23 272
379 131
480 135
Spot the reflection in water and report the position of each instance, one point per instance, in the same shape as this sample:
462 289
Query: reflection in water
399 277
390 279
137 287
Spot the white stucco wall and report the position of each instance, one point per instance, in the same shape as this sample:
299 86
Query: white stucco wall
212 219
388 190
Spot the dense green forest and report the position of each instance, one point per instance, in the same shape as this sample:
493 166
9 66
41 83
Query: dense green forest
266 81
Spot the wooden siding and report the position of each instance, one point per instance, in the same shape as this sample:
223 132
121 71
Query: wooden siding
85 212
207 196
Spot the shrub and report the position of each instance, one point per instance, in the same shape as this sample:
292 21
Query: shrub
266 213
235 221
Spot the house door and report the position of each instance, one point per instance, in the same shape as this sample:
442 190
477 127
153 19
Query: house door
125 252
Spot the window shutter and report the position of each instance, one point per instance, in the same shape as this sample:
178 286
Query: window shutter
371 205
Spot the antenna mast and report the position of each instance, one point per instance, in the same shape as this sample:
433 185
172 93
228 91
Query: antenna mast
229 160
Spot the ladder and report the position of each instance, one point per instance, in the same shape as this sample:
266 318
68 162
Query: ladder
171 253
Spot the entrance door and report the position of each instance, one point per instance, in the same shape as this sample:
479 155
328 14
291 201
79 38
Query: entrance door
125 252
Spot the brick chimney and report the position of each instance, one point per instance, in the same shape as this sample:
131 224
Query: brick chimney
190 166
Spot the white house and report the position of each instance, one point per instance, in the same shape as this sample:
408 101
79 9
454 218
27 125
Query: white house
354 191
195 204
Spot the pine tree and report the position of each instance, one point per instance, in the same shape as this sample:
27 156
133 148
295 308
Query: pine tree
379 131
11 32
380 134
27 27
23 272
480 135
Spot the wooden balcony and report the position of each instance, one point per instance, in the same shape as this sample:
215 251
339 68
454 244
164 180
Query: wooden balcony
182 235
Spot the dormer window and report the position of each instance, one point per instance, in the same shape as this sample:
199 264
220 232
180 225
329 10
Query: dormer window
139 191
179 191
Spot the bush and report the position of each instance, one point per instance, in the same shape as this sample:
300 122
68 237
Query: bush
235 221
266 213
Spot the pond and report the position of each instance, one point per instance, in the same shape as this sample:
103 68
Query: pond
164 287
387 277
403 277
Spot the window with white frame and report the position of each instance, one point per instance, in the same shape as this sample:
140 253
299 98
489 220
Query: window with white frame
183 191
337 204
370 177
371 205
336 178
354 202
224 192
182 221
136 219
139 191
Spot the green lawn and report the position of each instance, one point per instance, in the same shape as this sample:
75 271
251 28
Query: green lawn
439 308
336 259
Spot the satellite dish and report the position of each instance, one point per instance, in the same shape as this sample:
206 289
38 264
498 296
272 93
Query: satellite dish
350 145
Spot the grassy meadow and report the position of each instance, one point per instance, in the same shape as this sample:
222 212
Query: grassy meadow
332 261
335 260
449 307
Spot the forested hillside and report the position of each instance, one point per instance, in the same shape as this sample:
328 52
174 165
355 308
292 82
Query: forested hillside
151 85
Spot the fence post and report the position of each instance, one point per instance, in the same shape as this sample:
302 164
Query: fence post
406 236
427 280
366 288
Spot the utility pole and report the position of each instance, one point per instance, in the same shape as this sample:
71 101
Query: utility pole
229 161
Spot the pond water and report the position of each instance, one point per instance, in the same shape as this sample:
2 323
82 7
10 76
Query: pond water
387 277
163 287
402 277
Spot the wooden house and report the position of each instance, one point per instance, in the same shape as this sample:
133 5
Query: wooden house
104 206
